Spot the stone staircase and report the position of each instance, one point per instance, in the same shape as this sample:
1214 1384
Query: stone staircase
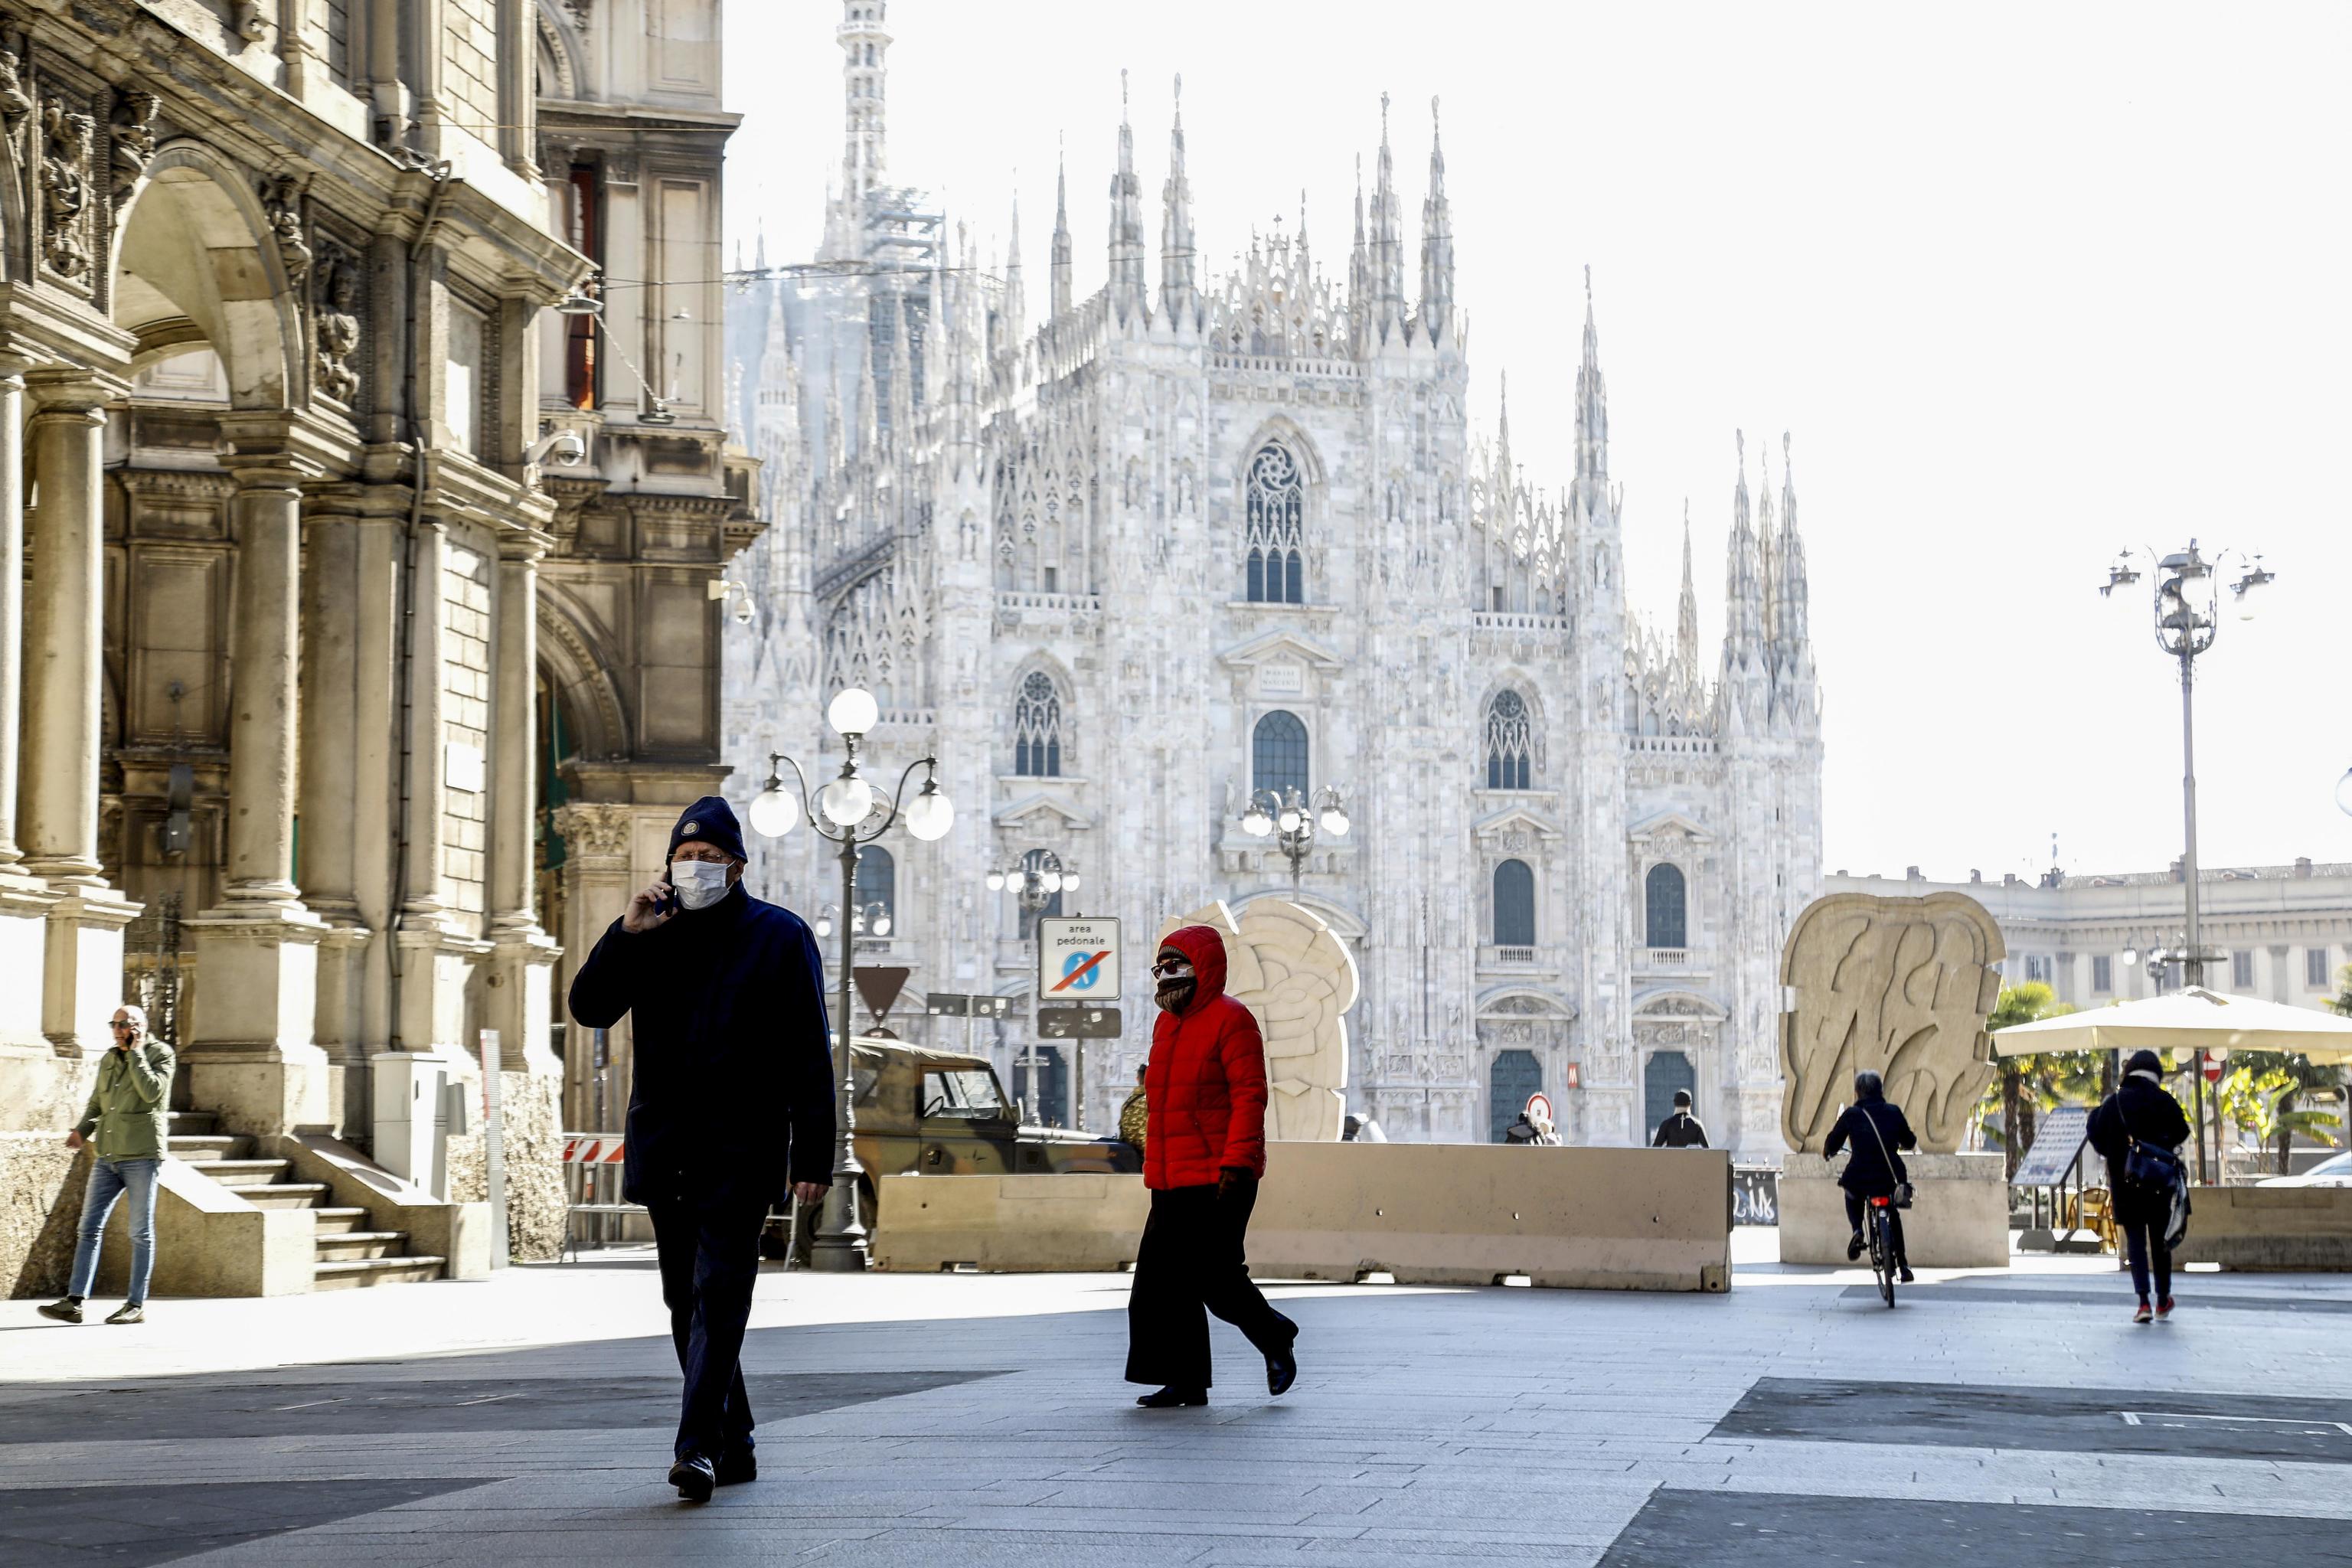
350 1253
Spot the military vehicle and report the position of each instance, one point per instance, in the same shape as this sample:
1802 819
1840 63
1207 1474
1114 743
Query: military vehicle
944 1113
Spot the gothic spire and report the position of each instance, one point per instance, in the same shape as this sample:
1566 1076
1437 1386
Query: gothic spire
1436 241
1388 242
1592 403
1178 299
1360 272
1060 264
1743 581
1686 617
1789 559
1009 314
1128 297
864 55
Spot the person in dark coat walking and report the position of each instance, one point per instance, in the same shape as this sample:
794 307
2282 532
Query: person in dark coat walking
1878 1134
731 1106
1203 1154
1681 1130
2141 1108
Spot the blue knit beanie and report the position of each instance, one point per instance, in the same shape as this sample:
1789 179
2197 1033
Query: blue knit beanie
710 820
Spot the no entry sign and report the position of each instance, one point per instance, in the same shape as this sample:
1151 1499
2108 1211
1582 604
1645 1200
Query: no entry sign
1077 959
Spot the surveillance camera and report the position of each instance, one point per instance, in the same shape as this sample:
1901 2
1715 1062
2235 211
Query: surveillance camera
558 447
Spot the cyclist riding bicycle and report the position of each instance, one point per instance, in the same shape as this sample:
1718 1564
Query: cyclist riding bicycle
1876 1132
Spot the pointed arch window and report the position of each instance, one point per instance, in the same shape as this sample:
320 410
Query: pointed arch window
1036 861
1278 753
877 885
1510 743
1037 728
1515 904
1275 534
1664 901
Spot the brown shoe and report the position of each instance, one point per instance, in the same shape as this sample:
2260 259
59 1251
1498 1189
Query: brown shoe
127 1313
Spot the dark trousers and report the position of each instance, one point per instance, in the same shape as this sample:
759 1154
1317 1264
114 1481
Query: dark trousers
2143 1244
1190 1264
1853 1207
709 1251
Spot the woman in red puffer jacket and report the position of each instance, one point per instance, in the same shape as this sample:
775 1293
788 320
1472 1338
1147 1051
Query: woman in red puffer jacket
1203 1151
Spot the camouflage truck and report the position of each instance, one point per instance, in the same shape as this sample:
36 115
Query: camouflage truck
943 1113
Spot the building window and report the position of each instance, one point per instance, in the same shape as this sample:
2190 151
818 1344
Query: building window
1037 728
1275 533
2037 967
877 884
1510 743
1515 905
1514 1076
1044 1090
2241 971
2314 968
1278 754
1663 902
2102 973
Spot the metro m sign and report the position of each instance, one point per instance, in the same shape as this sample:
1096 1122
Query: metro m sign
1077 959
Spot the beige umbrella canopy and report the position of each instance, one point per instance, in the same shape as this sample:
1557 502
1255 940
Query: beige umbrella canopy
2193 1019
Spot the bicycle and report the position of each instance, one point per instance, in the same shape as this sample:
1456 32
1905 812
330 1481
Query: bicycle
1878 1225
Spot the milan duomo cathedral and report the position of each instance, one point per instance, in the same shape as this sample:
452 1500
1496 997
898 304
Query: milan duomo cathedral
1194 535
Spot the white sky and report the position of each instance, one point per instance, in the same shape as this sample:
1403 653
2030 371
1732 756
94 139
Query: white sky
2028 283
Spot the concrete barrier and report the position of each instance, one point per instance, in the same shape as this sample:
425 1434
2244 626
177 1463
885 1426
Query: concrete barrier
1959 1221
2255 1228
1630 1219
1079 1223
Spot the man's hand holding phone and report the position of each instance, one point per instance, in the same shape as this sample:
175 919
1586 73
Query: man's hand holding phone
653 905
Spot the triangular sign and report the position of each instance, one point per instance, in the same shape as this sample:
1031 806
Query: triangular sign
879 985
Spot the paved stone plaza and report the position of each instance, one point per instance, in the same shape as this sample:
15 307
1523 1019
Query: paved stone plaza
2004 1417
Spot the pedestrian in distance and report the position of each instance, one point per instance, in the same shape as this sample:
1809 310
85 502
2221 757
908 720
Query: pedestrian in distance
1204 1154
1533 1127
1134 1120
730 1107
1681 1130
1878 1133
127 1123
2142 1113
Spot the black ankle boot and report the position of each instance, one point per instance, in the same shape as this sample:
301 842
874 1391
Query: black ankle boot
1174 1398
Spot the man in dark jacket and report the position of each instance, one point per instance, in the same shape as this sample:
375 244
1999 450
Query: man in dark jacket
1681 1130
732 1057
1878 1133
2141 1109
1203 1154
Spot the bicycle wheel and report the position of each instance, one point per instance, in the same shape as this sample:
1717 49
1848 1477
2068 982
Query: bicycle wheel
1882 1253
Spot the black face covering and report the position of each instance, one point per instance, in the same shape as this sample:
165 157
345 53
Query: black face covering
1172 994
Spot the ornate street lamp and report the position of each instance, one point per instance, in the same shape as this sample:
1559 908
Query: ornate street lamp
1292 818
1037 878
848 812
2187 606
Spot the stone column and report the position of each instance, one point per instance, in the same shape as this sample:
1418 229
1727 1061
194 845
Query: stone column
598 880
330 749
251 1055
522 956
58 806
36 1087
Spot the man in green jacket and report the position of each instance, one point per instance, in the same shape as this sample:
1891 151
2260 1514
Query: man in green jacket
126 1121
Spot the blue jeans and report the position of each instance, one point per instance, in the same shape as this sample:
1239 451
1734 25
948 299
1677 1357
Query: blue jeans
108 1179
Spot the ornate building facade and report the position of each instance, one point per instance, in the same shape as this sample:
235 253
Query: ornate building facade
1199 534
341 568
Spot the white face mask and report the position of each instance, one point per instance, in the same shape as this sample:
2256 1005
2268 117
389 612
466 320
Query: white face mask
699 883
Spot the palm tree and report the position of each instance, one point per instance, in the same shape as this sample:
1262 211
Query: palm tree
2031 1084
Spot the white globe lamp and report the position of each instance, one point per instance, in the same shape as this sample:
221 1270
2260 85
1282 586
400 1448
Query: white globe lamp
853 711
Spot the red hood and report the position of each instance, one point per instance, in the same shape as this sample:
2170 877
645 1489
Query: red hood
1206 947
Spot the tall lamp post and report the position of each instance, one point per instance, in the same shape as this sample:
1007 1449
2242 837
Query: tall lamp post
849 812
2187 606
1291 817
2161 961
1037 878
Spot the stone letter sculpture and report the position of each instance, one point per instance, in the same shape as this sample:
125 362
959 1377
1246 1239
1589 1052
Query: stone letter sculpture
1297 978
1901 985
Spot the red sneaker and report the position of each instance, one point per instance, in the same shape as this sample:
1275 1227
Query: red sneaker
2164 1309
2143 1315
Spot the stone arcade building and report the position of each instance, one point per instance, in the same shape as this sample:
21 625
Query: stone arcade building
309 644
1229 531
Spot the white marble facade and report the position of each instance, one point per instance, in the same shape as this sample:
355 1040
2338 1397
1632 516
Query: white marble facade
1117 565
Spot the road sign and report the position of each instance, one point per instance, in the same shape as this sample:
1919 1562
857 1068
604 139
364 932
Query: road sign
879 985
2057 1142
2212 1068
1077 959
957 1004
1538 1102
1077 1023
